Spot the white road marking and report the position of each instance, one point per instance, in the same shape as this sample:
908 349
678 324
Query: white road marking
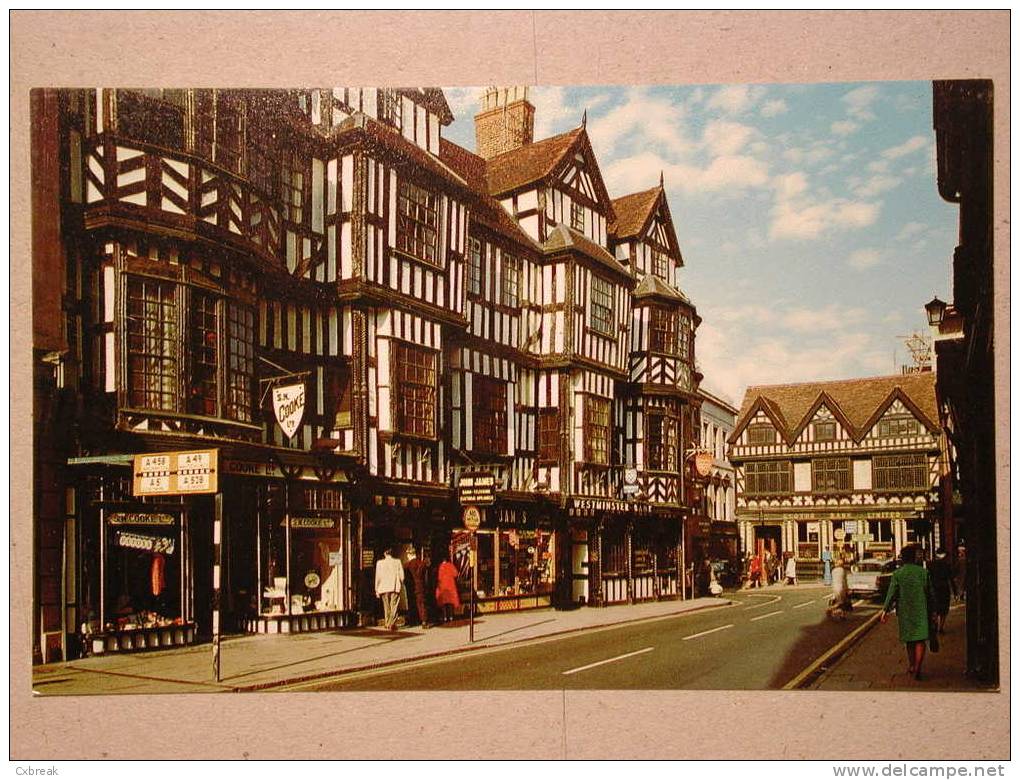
773 600
768 614
805 603
710 631
609 660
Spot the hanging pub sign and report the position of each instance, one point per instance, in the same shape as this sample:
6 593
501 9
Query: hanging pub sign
703 463
289 407
143 542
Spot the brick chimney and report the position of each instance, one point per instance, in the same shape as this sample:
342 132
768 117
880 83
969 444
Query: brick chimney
506 121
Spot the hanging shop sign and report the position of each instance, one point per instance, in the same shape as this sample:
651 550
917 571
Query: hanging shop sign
839 534
139 518
312 522
630 481
477 488
154 544
176 473
850 526
312 580
472 518
703 463
289 407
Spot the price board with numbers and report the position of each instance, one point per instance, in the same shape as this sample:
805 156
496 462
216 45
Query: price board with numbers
176 473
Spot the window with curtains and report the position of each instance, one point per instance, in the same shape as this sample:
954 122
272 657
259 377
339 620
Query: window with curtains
661 442
596 430
240 371
489 419
414 391
900 472
549 434
662 330
416 222
153 331
204 337
767 477
474 267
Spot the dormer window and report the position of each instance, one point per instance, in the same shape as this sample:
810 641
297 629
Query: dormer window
825 431
761 433
891 427
660 265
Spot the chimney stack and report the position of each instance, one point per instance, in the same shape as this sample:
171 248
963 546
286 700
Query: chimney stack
506 121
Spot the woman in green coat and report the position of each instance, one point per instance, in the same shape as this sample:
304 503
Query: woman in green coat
910 591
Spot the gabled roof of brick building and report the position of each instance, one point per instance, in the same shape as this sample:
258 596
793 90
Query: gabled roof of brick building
857 402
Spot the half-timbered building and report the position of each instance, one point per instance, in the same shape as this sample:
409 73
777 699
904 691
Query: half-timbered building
853 462
423 311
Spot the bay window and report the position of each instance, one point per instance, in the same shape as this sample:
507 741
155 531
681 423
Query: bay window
596 430
661 442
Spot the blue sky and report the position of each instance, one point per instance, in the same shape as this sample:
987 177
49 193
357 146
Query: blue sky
808 215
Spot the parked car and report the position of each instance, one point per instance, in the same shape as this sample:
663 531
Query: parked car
726 573
871 576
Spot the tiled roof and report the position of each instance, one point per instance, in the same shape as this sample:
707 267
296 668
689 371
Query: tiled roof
857 400
529 163
488 211
652 285
563 237
632 212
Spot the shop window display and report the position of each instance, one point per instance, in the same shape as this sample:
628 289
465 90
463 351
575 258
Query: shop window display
143 570
512 563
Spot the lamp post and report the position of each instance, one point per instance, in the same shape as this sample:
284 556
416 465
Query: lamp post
936 311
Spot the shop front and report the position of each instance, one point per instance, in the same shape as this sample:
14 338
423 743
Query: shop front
516 561
133 576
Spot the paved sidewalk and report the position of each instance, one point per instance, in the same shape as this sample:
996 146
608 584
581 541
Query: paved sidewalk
259 662
878 662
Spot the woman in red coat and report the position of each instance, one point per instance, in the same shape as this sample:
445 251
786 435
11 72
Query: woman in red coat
447 597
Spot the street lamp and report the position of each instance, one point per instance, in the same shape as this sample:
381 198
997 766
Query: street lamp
936 311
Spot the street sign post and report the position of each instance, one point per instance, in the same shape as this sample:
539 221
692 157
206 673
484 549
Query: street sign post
190 472
472 519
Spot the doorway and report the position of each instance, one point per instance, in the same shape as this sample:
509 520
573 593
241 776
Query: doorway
768 538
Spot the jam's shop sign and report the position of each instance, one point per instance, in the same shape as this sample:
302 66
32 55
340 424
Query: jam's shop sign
289 406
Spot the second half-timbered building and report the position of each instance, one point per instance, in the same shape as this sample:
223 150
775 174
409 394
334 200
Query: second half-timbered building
853 462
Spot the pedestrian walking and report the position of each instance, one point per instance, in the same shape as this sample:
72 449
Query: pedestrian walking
942 587
791 570
447 597
827 566
389 581
755 571
417 568
910 593
840 594
703 579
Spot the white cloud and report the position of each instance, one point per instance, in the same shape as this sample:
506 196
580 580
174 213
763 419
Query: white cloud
774 108
907 147
647 121
845 127
804 219
553 114
464 101
735 99
858 102
831 317
878 166
876 185
723 137
863 259
791 184
811 154
731 174
911 229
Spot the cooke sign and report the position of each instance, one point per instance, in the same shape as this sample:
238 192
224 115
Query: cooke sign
703 463
289 407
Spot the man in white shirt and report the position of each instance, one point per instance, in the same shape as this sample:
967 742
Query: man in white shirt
389 579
